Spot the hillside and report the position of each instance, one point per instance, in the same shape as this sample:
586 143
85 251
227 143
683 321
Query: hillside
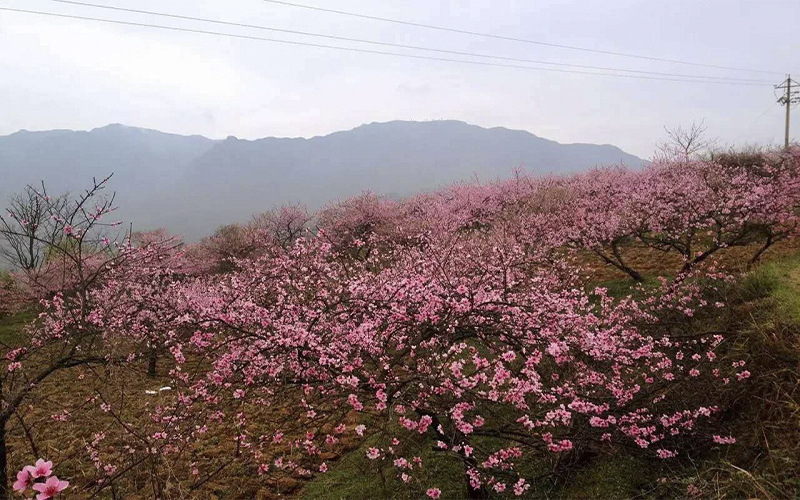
191 183
513 339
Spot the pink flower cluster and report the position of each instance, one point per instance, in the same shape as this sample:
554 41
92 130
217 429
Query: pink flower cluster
38 480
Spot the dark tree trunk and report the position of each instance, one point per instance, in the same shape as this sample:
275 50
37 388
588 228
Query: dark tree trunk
481 493
633 273
619 264
764 248
152 363
3 462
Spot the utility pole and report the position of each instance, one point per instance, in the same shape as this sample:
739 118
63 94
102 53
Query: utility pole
787 99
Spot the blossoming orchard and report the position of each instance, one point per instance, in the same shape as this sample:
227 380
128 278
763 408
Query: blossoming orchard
471 323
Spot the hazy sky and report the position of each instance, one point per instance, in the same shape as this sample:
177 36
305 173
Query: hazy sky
66 73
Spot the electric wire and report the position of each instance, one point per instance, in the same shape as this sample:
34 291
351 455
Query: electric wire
514 39
397 45
368 51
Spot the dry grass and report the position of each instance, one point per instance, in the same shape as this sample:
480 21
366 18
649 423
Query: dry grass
224 471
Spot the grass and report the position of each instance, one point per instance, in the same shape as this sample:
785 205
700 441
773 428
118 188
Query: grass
623 287
766 416
781 278
11 326
609 477
356 477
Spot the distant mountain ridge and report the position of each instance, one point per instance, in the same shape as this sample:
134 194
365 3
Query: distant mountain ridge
191 184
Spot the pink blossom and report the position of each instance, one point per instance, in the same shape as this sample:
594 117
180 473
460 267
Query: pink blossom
24 480
50 488
662 453
41 468
724 440
693 490
520 487
434 493
354 402
424 422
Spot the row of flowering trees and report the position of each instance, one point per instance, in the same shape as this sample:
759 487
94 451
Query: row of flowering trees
456 319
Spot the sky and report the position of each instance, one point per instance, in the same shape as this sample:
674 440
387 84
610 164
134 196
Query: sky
81 74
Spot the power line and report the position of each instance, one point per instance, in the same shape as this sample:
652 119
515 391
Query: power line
364 51
513 39
402 46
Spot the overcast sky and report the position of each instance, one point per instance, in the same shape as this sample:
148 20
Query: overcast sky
79 74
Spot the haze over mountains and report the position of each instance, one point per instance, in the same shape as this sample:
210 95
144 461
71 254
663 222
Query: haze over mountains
192 184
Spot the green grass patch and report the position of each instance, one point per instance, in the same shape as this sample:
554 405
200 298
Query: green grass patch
786 286
774 290
11 326
624 287
355 477
609 477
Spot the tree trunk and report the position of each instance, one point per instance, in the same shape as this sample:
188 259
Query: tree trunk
152 361
636 275
764 248
3 462
619 264
481 493
623 266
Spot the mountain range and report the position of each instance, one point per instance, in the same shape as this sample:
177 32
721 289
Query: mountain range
192 184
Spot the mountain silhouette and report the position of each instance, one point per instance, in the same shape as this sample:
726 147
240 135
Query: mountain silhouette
192 184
